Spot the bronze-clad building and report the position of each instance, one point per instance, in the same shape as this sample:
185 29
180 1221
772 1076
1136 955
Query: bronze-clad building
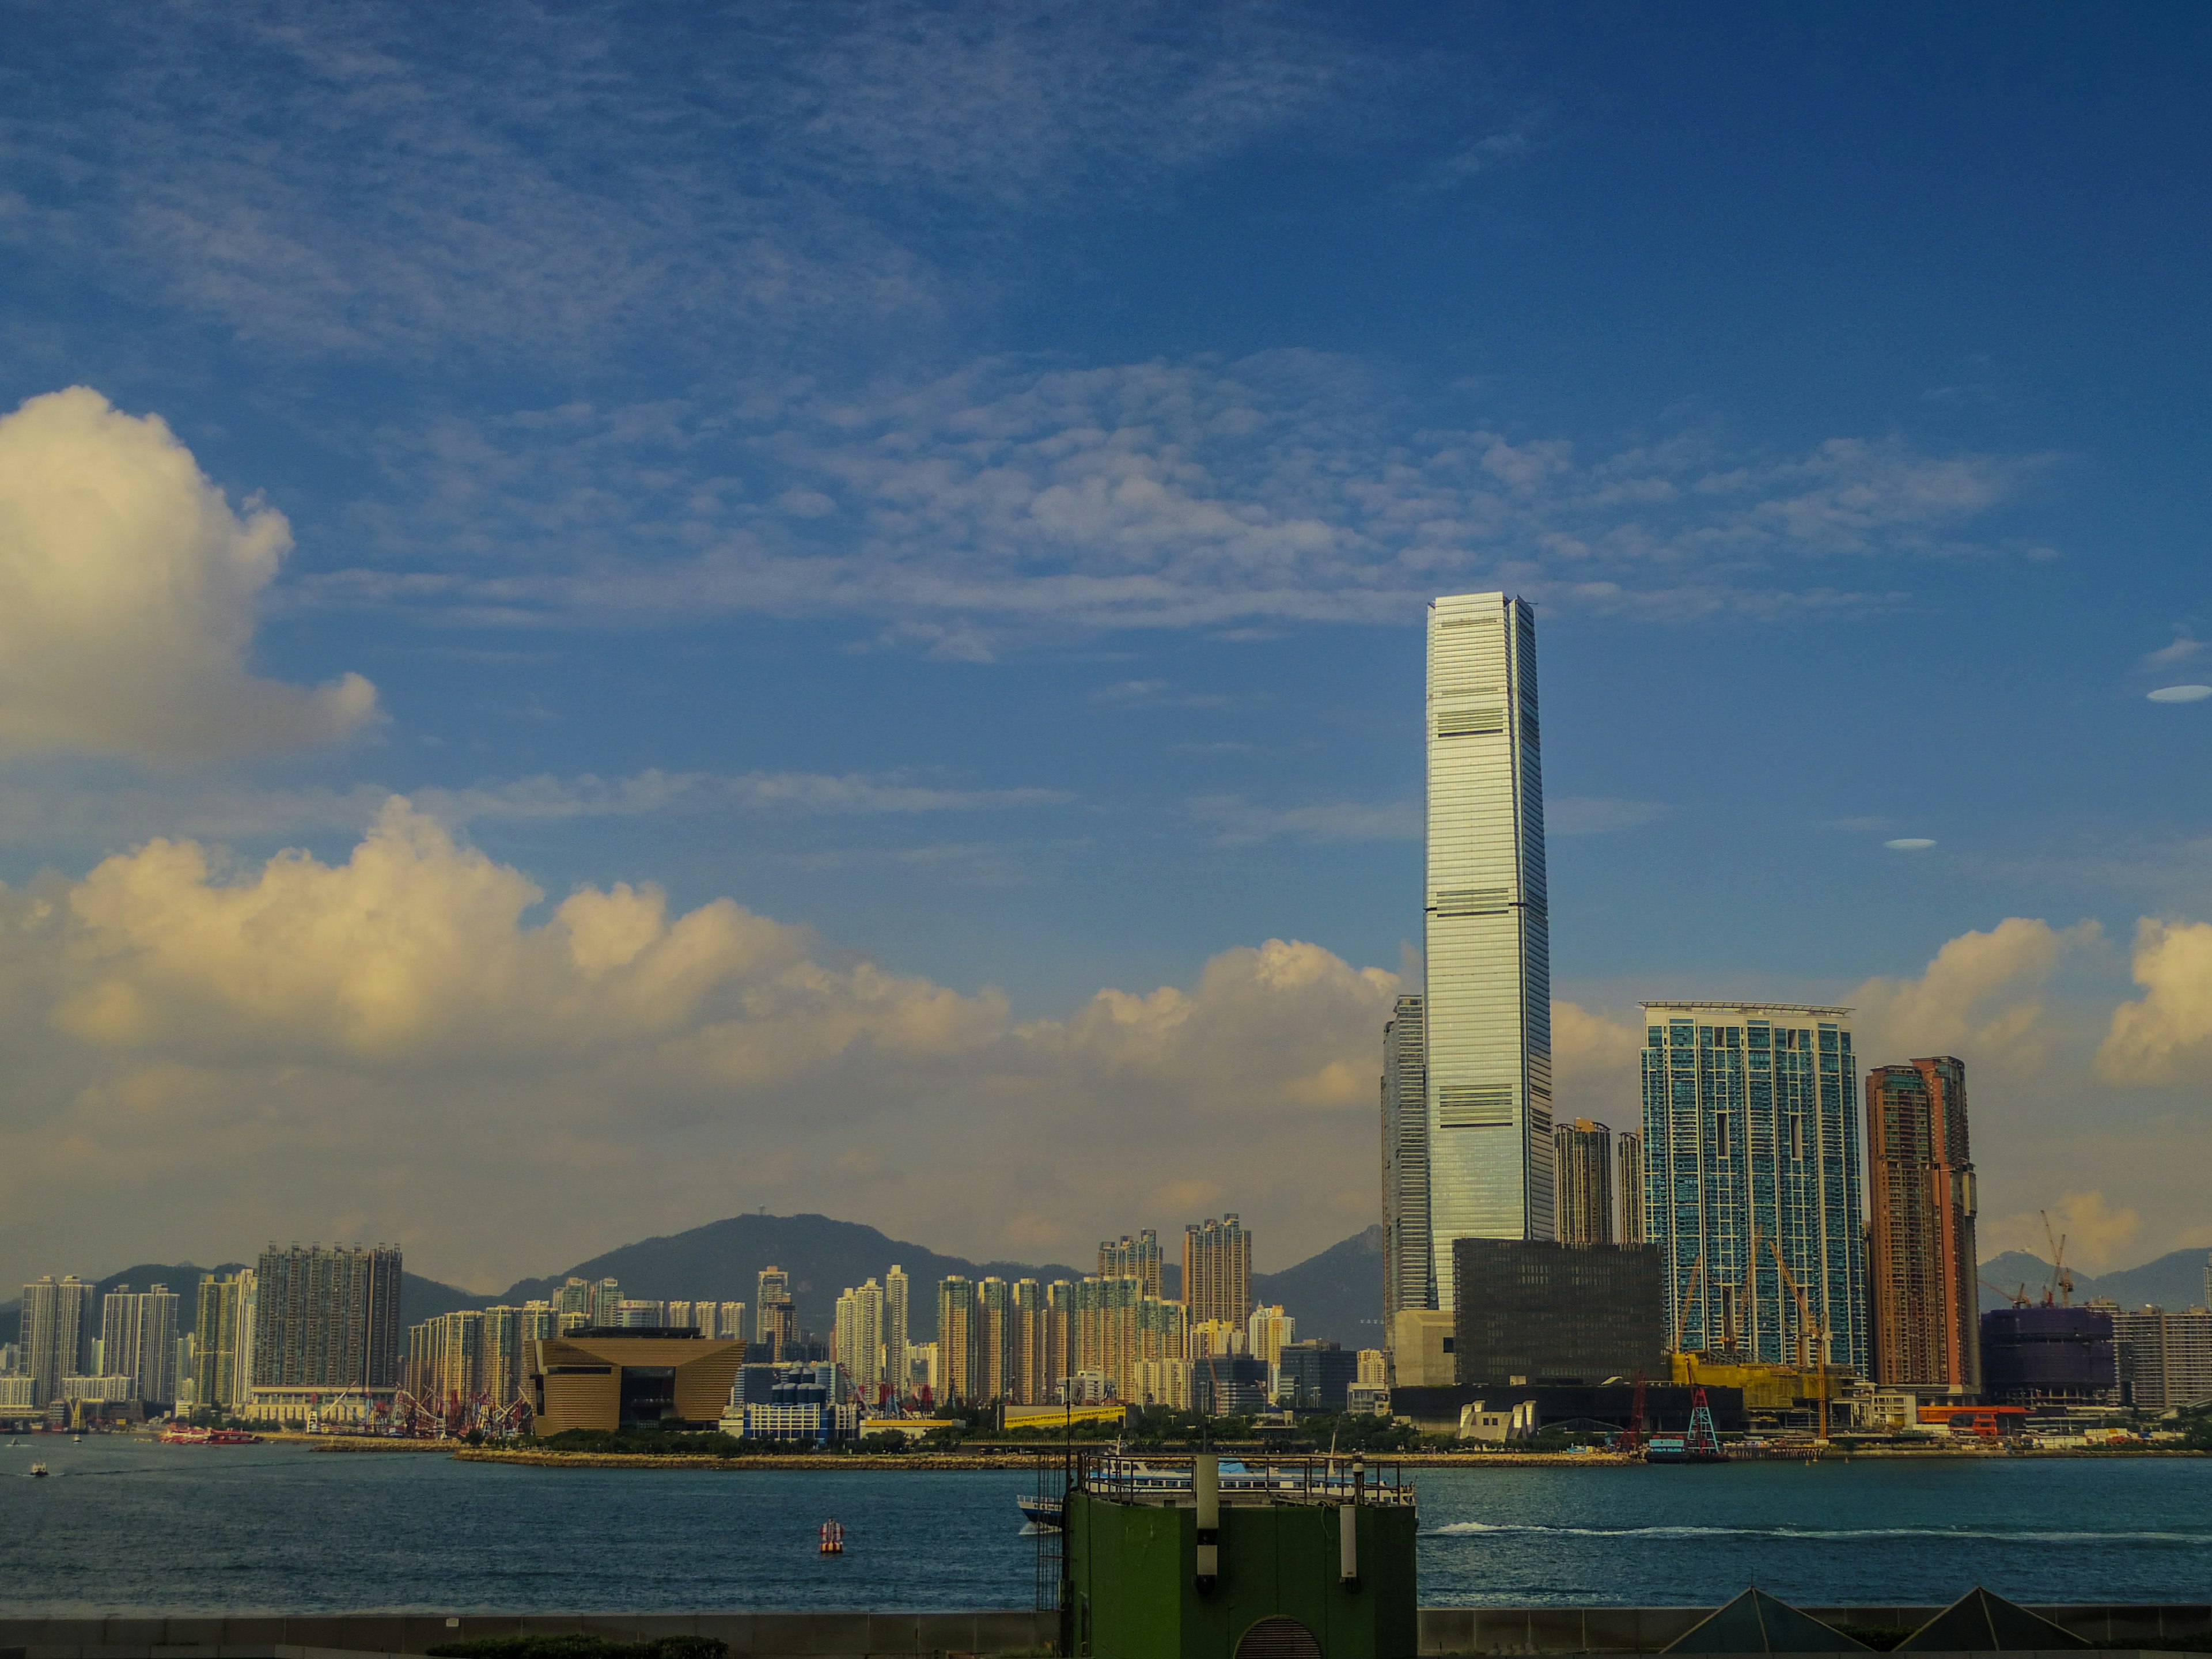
599 1378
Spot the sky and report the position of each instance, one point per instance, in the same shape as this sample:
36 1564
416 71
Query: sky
612 616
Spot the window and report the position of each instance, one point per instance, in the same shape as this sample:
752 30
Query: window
1720 1134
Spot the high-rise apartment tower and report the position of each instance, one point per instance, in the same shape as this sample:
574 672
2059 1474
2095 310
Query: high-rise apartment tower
1133 1258
1922 1285
1583 1156
57 1326
1488 1004
1408 1279
1631 1186
1217 1271
327 1318
896 1291
1751 1160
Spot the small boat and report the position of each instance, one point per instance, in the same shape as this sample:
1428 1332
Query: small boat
833 1538
39 1471
1042 1513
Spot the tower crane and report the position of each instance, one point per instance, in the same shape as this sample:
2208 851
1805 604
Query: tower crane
1805 1321
2061 1279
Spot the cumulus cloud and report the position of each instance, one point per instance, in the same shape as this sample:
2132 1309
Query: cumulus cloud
127 593
2166 1034
1981 998
1594 1065
413 1041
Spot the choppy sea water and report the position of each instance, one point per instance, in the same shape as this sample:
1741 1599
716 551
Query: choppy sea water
130 1527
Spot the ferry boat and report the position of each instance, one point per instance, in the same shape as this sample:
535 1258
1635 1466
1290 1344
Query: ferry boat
175 1435
833 1538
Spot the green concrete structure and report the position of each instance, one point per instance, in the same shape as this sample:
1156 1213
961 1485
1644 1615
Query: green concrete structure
1283 1585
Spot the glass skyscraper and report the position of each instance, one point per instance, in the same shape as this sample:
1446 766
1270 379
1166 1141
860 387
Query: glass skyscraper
1488 1004
1751 1160
1408 1279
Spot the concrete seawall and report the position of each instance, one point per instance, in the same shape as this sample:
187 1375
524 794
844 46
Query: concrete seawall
857 1635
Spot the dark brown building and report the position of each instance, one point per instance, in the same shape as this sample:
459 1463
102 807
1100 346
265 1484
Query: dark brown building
1920 1194
597 1378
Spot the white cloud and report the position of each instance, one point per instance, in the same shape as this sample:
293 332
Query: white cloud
1909 844
55 809
1236 822
2181 650
564 188
404 1042
2180 694
127 594
1981 998
1007 502
2166 1033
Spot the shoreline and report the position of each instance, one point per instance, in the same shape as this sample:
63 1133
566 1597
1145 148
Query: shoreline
938 1463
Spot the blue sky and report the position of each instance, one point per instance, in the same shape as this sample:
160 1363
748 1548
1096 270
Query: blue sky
963 482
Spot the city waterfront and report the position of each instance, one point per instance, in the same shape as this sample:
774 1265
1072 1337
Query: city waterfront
128 1526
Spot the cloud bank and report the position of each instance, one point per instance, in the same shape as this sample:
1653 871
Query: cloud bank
127 594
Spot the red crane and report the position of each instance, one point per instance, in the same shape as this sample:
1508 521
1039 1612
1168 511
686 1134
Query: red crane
1632 1437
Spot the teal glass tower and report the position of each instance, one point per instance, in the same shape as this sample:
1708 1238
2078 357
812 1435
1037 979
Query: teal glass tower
1751 1160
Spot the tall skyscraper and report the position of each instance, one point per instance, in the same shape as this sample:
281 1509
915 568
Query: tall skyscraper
994 1308
1488 1004
59 1330
857 1340
955 1340
1408 1279
897 1293
1751 1155
223 1325
138 1339
1029 1381
1138 1258
328 1318
1582 1156
1923 1281
1217 1271
775 1319
1631 1186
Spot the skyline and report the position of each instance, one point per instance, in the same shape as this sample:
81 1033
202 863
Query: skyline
887 559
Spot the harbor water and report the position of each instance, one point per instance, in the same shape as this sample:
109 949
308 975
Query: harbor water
128 1526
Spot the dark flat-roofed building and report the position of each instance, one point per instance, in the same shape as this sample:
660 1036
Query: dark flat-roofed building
602 1378
1532 1311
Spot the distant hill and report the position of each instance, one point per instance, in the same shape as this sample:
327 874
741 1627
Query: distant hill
1337 1294
723 1259
2175 1281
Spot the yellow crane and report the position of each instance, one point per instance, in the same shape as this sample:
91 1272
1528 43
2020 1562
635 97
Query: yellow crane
1805 1321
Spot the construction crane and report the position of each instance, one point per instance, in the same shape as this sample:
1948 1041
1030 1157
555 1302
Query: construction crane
2062 1281
2017 1296
1805 1322
1690 1288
